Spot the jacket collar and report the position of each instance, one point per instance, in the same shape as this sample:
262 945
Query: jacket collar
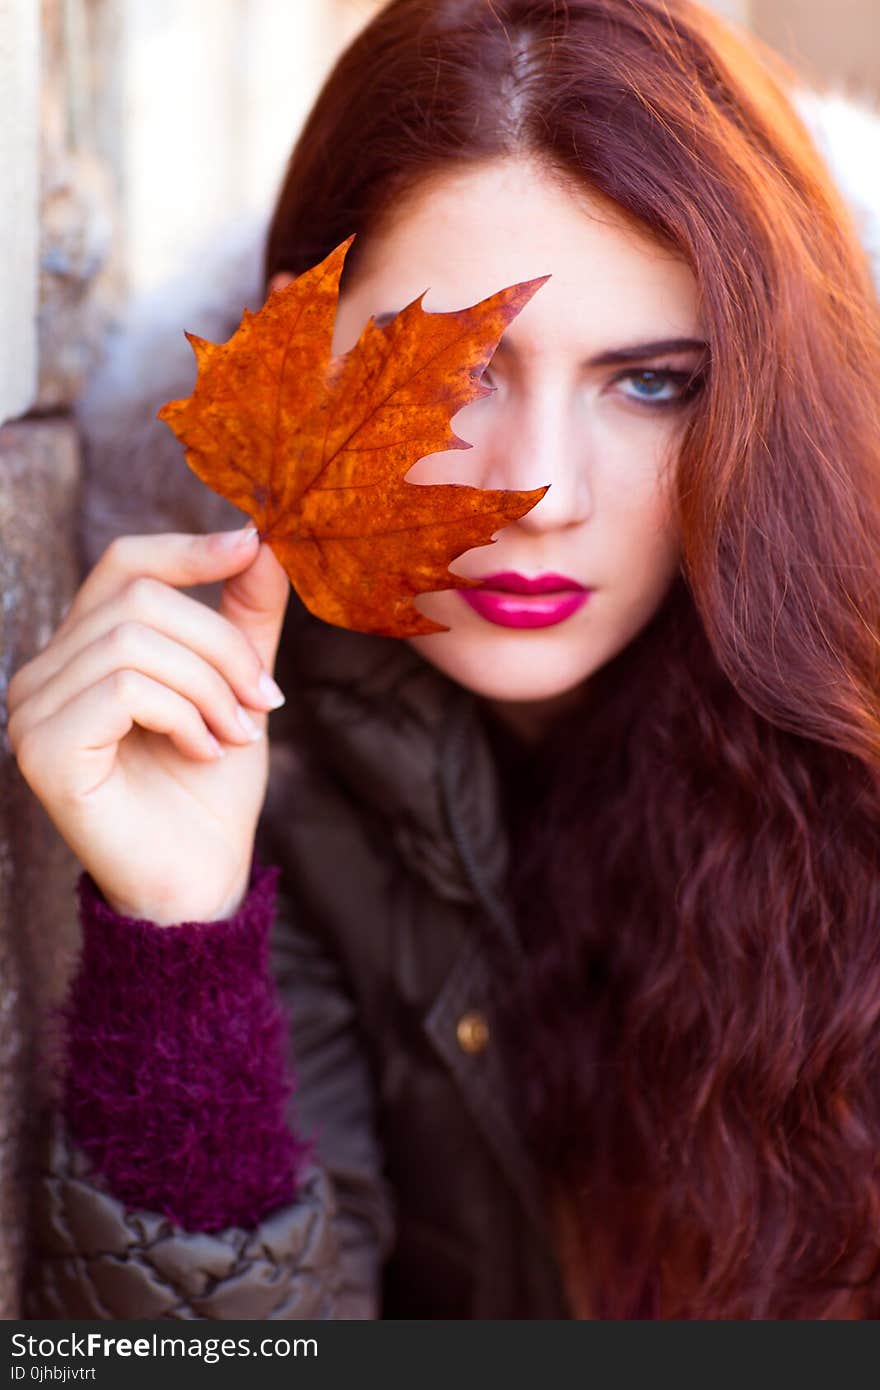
410 744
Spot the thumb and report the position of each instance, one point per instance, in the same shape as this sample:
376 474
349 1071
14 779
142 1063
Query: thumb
255 600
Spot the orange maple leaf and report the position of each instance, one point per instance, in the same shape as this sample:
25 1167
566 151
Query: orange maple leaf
315 447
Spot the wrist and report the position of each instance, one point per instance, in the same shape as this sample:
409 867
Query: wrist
182 910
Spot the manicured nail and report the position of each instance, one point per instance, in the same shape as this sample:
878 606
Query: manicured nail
247 723
271 692
232 539
219 752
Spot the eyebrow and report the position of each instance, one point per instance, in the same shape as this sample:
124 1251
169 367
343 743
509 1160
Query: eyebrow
634 352
661 347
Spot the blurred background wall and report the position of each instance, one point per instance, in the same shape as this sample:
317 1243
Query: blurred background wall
214 135
834 39
209 112
134 133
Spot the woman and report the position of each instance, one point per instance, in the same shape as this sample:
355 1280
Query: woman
576 902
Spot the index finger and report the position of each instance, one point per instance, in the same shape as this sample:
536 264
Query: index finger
179 558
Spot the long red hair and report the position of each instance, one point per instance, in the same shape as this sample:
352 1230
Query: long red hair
697 1039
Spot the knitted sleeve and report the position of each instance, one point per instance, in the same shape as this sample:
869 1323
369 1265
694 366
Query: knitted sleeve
175 1080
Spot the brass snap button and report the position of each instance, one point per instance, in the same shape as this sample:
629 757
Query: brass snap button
472 1031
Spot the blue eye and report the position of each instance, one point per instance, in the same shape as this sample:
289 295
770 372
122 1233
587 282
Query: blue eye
663 387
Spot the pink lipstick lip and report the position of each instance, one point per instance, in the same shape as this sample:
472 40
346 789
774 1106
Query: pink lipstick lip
506 609
513 583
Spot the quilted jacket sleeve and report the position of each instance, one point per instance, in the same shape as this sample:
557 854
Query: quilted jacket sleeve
96 1254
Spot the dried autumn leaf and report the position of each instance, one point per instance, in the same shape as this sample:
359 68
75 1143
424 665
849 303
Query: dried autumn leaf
315 447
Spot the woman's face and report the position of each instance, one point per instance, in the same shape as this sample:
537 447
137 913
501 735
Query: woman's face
602 434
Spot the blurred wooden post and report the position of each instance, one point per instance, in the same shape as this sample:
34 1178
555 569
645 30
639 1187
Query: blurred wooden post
58 287
19 166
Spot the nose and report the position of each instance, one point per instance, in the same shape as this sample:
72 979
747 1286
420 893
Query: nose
533 443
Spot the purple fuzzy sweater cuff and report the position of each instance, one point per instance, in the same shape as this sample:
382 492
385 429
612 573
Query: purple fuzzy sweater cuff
176 1084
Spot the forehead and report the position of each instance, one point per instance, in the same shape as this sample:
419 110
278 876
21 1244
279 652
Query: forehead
470 232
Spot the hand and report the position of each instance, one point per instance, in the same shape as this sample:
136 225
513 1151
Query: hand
112 723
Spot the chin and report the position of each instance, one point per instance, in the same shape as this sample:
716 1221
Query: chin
519 668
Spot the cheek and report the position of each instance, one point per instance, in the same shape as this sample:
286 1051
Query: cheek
636 519
635 489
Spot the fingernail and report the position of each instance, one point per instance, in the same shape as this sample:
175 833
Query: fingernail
271 692
232 539
247 723
219 752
